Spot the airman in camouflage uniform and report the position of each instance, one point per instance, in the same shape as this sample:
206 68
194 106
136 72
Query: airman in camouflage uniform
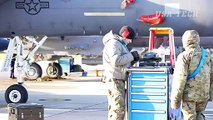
192 93
116 59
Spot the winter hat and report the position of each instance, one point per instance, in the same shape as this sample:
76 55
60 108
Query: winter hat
127 32
190 37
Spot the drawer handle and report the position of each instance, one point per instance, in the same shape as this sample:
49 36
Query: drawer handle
153 101
149 93
150 111
149 86
150 79
136 70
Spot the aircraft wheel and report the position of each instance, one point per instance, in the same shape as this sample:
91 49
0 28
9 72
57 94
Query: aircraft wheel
54 70
16 94
35 72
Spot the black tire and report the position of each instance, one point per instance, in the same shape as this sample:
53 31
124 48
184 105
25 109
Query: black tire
16 94
35 72
54 70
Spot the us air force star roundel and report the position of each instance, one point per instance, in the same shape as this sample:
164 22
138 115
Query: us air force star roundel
32 7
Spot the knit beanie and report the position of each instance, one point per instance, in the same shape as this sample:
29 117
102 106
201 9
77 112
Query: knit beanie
127 32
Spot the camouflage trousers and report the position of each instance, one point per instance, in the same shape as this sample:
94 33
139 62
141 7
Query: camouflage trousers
116 99
193 110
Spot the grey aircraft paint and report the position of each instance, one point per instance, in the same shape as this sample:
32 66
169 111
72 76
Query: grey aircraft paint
96 17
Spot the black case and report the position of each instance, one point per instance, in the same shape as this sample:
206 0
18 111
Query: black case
23 111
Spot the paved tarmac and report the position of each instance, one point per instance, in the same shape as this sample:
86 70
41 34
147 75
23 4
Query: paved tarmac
80 98
76 98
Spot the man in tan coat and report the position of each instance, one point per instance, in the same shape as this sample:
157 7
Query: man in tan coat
116 60
193 93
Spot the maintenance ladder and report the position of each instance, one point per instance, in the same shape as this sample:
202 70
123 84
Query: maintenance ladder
163 31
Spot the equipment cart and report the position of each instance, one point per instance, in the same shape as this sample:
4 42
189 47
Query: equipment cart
149 84
148 97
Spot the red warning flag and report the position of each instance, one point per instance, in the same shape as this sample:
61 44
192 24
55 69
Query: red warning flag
153 19
130 1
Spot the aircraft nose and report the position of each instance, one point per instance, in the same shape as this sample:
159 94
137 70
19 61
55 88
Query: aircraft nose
3 44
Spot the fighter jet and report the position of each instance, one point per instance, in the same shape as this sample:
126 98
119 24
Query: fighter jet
83 18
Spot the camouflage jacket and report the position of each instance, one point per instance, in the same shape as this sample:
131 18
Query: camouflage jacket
195 89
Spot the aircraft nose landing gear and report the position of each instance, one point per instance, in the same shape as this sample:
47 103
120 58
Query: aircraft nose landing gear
16 94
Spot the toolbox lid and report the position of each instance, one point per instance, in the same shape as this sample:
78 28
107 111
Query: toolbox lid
25 105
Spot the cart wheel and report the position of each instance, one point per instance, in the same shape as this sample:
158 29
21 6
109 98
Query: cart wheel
16 94
54 70
35 72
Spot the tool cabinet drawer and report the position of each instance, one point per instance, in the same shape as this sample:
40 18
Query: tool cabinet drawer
148 81
149 88
147 104
148 115
145 96
147 75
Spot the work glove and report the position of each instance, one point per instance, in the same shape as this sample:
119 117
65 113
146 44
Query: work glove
135 55
175 104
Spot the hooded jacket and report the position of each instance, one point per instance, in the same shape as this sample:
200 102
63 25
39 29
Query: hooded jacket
116 57
196 89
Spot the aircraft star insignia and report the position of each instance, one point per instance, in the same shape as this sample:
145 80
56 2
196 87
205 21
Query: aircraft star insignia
32 7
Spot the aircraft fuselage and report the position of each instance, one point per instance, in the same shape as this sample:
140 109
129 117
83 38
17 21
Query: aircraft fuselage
97 17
